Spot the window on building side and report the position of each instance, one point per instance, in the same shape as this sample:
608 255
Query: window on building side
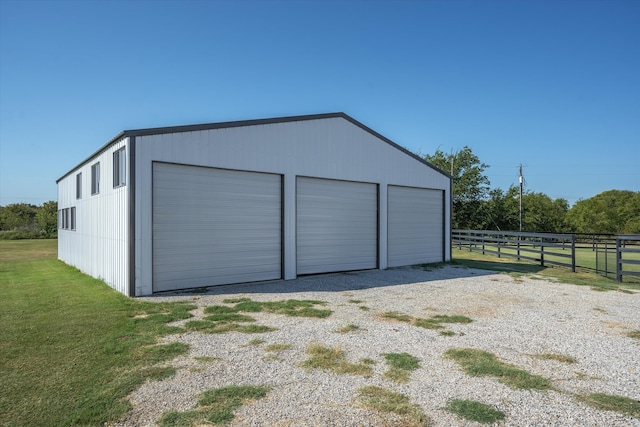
73 218
119 168
95 178
60 218
65 218
79 186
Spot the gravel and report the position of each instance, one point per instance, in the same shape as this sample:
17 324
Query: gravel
514 318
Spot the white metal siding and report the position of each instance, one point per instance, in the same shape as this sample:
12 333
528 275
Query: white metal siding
337 225
214 226
415 226
99 244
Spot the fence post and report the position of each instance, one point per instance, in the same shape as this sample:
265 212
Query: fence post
606 258
573 254
618 260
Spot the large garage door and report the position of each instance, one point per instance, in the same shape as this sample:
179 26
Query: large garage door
336 225
214 227
415 227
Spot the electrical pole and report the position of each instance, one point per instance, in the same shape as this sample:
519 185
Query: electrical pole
521 197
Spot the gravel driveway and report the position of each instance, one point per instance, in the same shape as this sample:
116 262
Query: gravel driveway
517 319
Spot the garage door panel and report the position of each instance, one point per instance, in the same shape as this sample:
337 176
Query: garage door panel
214 226
336 225
415 226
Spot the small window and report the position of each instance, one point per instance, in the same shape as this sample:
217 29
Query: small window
65 219
79 186
119 168
73 218
60 218
95 178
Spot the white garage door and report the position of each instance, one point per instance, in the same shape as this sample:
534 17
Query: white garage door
336 225
415 226
214 226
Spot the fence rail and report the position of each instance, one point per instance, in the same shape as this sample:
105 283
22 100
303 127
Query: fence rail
611 255
624 248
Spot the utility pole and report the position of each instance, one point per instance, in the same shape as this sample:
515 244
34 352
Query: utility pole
521 197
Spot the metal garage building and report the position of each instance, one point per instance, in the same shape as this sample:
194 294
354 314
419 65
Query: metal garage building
201 205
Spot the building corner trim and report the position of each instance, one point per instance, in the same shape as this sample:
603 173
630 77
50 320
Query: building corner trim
132 216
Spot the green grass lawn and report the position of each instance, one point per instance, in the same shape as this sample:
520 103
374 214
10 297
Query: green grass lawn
586 257
512 266
71 347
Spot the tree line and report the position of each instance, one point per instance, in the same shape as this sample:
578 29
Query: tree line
27 221
476 206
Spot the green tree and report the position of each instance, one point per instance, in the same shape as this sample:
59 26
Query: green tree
47 219
470 185
542 214
613 211
19 216
502 210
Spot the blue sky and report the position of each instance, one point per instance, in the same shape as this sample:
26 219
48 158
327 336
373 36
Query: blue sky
554 85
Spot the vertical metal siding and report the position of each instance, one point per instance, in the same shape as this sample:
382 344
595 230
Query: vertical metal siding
337 225
99 245
328 148
415 226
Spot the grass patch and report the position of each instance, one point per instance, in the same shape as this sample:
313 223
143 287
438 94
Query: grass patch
433 322
72 348
278 347
158 373
475 411
478 363
447 333
427 324
634 334
456 318
364 308
400 366
333 359
403 361
347 328
204 359
400 317
222 318
229 317
388 401
557 357
209 327
607 402
355 301
255 342
214 406
291 307
160 353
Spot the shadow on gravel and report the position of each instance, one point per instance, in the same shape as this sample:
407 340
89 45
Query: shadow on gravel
353 280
